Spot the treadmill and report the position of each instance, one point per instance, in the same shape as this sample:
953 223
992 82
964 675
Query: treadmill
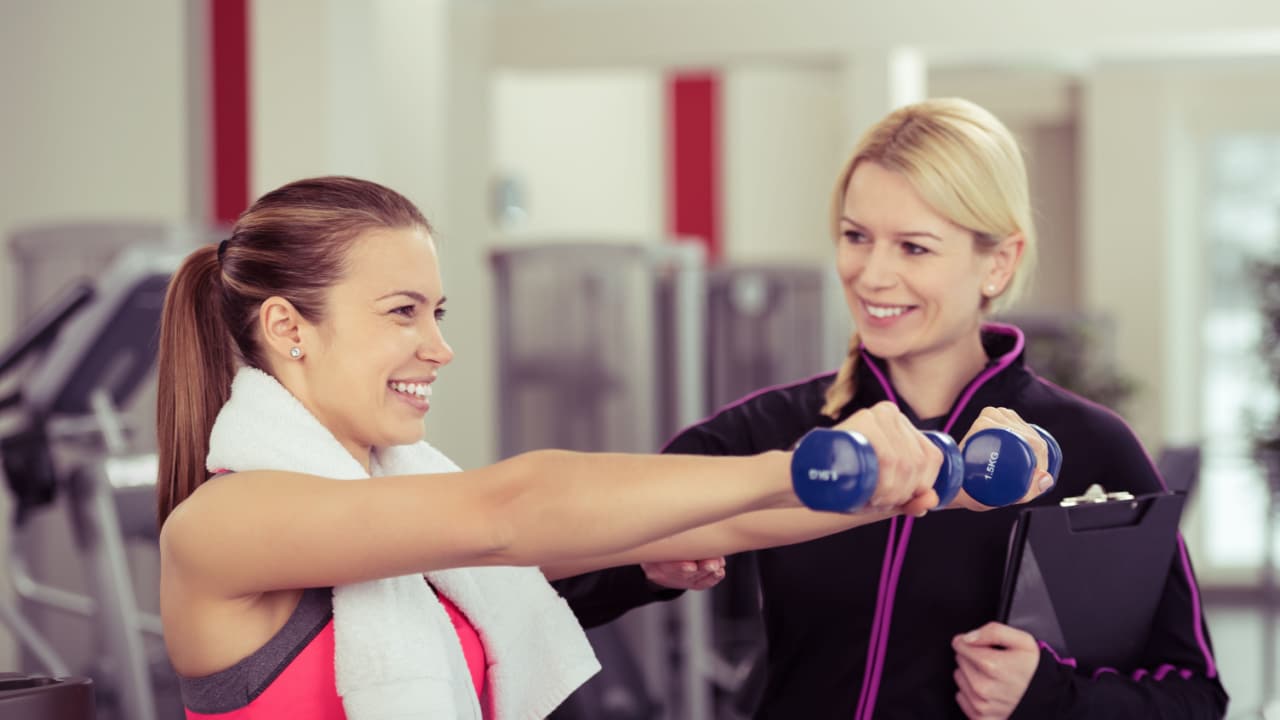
61 435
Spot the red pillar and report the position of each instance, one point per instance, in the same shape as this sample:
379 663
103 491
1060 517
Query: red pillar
229 107
693 106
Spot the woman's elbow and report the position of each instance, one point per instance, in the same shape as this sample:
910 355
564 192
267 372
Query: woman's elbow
505 530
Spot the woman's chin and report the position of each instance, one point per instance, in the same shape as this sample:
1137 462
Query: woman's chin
881 347
405 435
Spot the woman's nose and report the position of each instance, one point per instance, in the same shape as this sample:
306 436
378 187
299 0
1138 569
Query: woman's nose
434 348
880 267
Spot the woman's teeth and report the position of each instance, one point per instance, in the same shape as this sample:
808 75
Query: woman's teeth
421 390
877 311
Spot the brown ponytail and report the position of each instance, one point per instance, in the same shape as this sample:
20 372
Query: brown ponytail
196 362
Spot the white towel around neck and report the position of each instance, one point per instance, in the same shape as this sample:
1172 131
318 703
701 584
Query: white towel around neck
397 654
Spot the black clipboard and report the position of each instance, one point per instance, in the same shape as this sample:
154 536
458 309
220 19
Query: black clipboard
1087 575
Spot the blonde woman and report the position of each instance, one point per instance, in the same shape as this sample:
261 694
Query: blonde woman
933 232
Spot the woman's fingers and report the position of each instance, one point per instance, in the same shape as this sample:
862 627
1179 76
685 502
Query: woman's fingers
907 465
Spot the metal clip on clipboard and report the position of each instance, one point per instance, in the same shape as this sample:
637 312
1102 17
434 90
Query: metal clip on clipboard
1095 495
1098 509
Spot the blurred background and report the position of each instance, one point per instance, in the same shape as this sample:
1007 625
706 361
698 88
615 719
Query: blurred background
631 199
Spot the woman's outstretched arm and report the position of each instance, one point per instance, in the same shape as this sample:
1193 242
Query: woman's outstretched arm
251 532
905 456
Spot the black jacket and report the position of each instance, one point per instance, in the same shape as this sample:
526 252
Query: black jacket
932 578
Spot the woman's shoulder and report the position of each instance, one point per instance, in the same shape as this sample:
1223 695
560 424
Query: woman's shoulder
801 401
1057 405
1098 445
765 419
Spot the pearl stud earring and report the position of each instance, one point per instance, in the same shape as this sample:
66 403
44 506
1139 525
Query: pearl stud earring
295 352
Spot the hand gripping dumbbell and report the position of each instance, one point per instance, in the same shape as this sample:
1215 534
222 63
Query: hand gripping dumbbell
837 470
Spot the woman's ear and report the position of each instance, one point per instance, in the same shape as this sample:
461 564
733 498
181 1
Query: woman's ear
281 326
1004 262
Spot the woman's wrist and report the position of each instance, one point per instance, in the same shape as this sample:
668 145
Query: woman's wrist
779 466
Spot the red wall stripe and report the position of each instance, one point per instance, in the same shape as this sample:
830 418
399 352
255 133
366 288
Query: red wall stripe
694 163
229 107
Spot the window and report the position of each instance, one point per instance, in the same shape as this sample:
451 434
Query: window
1241 226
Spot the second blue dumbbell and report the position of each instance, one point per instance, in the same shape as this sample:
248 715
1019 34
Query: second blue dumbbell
993 477
837 470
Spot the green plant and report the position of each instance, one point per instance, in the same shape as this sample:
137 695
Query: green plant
1266 440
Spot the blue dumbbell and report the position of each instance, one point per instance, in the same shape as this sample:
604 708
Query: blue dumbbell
999 472
837 470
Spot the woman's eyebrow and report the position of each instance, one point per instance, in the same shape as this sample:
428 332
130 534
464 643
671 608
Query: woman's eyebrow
411 294
907 234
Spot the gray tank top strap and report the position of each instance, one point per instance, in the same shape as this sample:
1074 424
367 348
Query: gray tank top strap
240 684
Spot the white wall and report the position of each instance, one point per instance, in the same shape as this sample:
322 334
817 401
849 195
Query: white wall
587 151
783 143
465 423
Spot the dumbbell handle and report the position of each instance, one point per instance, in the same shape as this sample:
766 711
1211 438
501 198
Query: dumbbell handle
1055 451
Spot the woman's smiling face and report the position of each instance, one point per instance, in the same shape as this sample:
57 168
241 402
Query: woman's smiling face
369 364
913 279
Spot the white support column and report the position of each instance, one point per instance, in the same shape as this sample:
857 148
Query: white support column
697 648
289 88
351 110
876 82
409 86
466 427
1126 231
1184 275
199 135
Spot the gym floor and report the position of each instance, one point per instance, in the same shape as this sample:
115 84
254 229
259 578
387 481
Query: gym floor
1239 634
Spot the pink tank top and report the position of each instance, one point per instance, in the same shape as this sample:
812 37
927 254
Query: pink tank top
472 648
292 675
